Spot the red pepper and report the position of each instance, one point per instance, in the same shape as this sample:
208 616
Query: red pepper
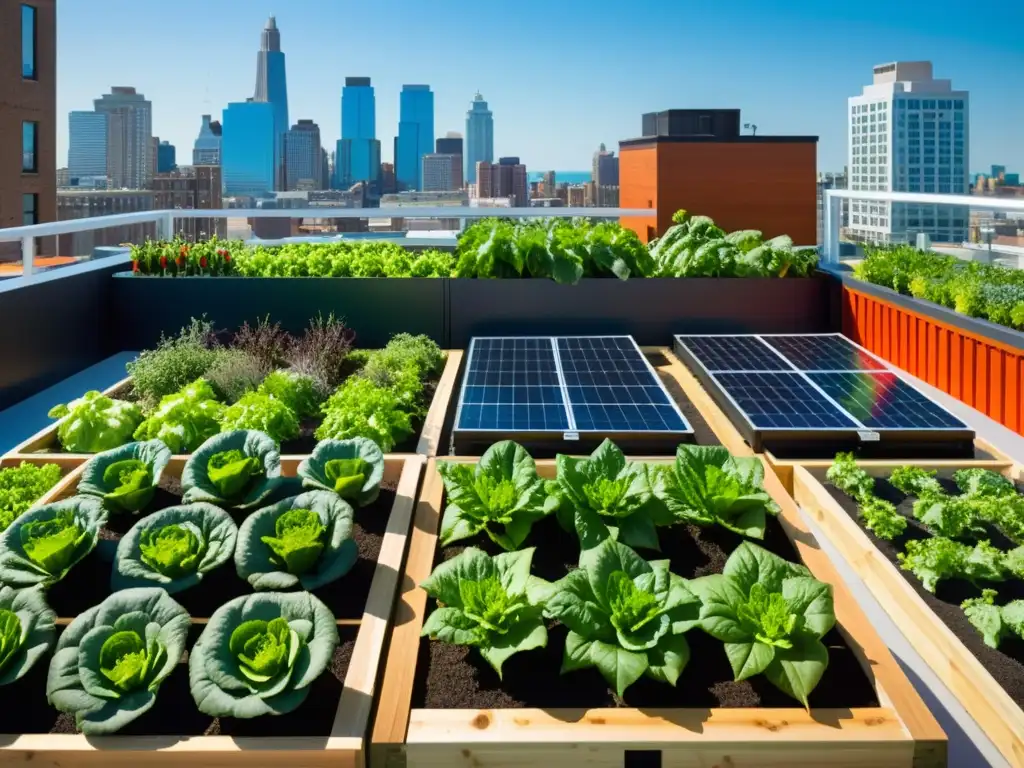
135 266
183 251
163 262
222 252
202 262
180 261
227 256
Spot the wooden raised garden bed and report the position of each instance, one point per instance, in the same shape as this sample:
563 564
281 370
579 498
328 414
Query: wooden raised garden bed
989 684
329 729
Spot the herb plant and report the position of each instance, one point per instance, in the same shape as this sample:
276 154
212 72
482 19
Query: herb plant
234 374
174 548
176 362
111 660
234 469
125 478
184 420
303 540
264 413
95 422
42 545
259 654
321 351
627 617
707 485
771 614
501 496
353 469
27 631
22 486
492 604
938 558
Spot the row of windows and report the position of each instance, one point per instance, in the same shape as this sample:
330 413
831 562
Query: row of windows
29 129
929 104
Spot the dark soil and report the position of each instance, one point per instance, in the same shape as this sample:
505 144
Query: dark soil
1006 665
457 677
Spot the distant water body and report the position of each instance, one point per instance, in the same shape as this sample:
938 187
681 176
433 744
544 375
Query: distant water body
562 177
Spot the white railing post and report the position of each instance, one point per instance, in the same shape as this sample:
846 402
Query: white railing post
28 256
833 221
165 228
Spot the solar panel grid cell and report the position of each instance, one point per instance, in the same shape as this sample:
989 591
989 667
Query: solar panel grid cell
782 401
823 353
734 353
884 401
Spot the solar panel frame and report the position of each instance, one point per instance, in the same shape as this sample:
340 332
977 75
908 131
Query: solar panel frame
566 405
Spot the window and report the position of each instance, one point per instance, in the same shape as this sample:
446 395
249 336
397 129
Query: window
29 209
913 104
29 142
958 105
28 42
928 103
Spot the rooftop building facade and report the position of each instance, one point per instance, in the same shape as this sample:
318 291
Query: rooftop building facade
503 179
197 187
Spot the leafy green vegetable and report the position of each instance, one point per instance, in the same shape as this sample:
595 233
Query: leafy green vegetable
259 654
771 614
125 478
353 469
264 413
111 660
605 495
303 540
950 516
27 631
360 408
881 518
938 558
22 486
176 361
986 617
185 419
1013 561
501 495
298 391
42 545
983 483
492 604
627 617
914 481
707 485
845 475
174 548
234 469
95 422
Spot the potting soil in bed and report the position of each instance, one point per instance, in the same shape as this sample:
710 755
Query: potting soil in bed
1006 665
457 677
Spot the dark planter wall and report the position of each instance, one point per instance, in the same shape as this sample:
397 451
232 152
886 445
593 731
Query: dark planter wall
651 310
52 330
376 309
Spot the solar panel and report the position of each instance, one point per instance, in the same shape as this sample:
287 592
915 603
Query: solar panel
782 401
823 353
884 401
563 384
735 353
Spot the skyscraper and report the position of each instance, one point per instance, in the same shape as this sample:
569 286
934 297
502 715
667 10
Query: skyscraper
358 151
129 137
605 171
479 136
87 144
505 178
272 87
415 134
451 144
303 160
442 172
206 150
908 133
247 149
166 157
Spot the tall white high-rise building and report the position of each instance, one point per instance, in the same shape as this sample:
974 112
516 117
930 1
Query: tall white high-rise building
908 133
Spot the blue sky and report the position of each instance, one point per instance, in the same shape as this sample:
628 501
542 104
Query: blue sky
561 76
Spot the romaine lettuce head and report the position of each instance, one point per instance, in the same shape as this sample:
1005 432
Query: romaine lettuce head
125 478
771 615
260 653
111 660
42 545
305 539
233 469
95 422
501 495
27 631
185 419
174 547
352 468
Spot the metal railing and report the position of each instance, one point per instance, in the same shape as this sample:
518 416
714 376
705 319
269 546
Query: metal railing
834 200
165 221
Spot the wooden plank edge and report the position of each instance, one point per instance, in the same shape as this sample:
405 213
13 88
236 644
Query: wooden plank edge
982 697
433 424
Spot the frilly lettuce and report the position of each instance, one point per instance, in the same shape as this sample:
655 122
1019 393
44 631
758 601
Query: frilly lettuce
95 422
184 420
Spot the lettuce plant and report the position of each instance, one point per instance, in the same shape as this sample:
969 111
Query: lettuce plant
305 539
259 654
626 616
994 622
111 660
174 547
42 545
951 516
707 485
606 495
22 486
881 518
938 558
298 391
983 483
262 412
771 615
914 481
353 469
95 422
361 408
845 475
234 469
489 603
125 478
501 496
27 631
185 419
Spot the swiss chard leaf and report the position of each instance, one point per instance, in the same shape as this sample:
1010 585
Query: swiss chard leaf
125 478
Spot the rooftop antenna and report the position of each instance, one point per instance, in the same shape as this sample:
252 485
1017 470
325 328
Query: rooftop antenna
750 127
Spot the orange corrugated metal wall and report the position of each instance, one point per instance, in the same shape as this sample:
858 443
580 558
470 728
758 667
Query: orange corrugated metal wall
982 373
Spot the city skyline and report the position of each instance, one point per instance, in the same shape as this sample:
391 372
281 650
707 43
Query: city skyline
789 69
